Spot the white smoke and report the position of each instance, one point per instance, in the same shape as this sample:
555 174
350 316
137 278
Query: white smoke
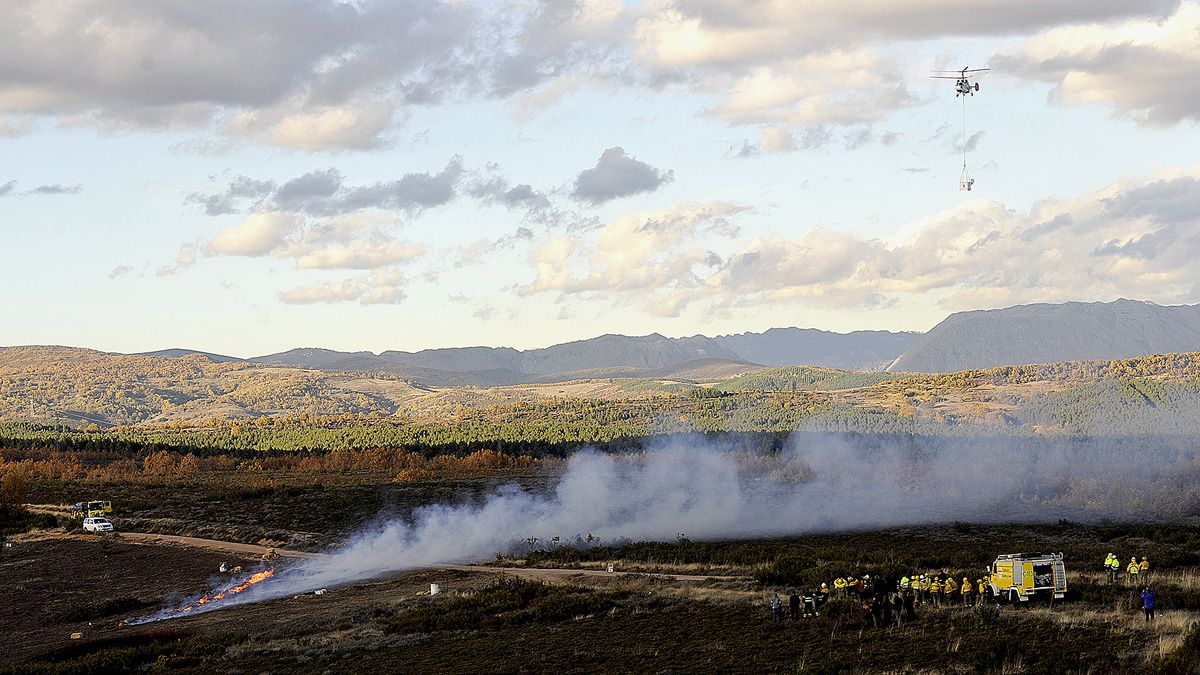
825 483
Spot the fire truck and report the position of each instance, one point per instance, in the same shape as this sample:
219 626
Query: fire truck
96 509
1018 577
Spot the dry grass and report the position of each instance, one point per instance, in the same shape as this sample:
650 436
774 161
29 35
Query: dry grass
1167 630
1188 579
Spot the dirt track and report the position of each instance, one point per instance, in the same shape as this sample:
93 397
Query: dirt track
547 574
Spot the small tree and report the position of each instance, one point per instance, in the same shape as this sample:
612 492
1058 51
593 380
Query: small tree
14 483
160 463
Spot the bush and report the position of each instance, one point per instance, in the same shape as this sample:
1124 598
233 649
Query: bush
504 603
791 570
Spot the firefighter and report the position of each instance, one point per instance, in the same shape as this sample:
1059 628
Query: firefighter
794 605
1133 569
861 587
904 582
1108 562
1144 567
950 587
776 608
923 587
1114 568
851 585
935 588
820 597
981 588
839 587
966 589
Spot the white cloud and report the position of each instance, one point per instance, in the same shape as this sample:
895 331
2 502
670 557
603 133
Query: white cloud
259 234
311 75
360 125
647 253
359 255
1149 70
776 62
382 287
319 75
775 139
1137 237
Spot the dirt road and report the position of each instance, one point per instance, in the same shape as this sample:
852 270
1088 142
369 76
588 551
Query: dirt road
546 574
176 540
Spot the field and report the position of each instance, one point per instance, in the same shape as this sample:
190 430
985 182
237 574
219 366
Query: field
781 479
491 622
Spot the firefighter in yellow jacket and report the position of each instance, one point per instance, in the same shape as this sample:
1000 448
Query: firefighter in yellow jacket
966 589
981 589
935 589
1133 569
1144 566
839 587
950 588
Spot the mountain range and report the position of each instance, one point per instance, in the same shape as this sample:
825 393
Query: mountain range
1023 334
651 355
1046 333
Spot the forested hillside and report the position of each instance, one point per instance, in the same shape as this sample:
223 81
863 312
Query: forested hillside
194 401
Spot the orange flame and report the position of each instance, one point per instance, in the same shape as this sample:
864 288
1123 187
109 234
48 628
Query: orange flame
256 578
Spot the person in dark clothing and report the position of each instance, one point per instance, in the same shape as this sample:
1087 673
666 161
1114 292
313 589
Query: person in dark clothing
810 603
1148 602
776 608
794 605
820 598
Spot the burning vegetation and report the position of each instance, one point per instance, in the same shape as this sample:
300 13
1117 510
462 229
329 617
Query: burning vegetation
208 601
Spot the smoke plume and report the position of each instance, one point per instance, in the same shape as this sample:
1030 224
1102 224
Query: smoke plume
817 483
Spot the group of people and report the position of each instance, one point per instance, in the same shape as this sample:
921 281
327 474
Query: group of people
885 601
1134 571
810 604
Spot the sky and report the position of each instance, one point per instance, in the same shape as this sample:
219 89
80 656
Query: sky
245 178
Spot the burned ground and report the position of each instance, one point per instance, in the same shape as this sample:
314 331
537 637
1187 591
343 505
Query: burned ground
301 512
482 623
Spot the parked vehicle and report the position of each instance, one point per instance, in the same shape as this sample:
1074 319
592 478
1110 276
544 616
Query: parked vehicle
97 524
91 509
1017 577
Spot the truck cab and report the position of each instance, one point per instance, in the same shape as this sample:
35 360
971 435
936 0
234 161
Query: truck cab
91 509
1018 577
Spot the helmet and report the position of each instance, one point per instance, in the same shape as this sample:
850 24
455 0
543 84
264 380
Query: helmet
1143 557
824 586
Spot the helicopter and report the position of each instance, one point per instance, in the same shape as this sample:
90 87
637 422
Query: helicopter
963 84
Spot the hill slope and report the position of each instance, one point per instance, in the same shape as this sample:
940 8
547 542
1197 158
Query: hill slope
859 350
1045 333
654 352
178 353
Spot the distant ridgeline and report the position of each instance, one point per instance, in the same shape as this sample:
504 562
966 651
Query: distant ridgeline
1023 334
286 410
